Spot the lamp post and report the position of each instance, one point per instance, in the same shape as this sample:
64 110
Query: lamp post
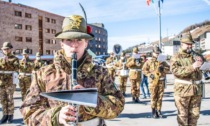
159 17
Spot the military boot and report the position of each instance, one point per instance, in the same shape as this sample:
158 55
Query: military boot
154 115
124 94
10 118
137 100
134 99
159 114
4 119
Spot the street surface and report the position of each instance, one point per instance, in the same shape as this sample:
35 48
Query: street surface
139 114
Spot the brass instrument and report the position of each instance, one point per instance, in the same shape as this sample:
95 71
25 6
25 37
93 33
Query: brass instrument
157 75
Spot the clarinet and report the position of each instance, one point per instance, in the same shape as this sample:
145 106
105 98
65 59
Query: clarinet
74 83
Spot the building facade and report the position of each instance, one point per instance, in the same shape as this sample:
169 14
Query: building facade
99 44
28 27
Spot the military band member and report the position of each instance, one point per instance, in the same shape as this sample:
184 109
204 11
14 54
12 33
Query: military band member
38 63
25 70
37 110
156 73
188 85
110 65
8 64
121 65
135 64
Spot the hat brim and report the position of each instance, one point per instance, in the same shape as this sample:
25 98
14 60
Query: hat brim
188 42
73 35
5 48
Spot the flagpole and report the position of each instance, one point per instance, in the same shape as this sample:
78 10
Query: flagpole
159 16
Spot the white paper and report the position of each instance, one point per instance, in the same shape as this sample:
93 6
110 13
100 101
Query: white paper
1 54
161 58
205 66
136 56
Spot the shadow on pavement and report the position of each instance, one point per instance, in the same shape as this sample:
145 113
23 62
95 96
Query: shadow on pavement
18 121
168 100
17 97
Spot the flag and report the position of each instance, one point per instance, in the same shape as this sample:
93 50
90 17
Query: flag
148 2
162 1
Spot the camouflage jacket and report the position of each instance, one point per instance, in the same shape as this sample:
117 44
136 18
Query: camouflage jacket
131 64
151 67
38 64
40 111
120 65
11 65
26 67
110 61
181 67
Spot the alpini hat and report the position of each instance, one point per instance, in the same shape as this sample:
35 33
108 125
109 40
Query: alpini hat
75 27
7 45
187 38
135 50
156 49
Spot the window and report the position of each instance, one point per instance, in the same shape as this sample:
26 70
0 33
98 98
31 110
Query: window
53 21
53 31
53 41
18 13
30 51
17 38
28 39
54 51
27 15
18 26
47 30
47 19
99 39
28 27
47 52
47 41
96 31
18 51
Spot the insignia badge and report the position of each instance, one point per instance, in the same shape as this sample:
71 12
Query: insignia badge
117 49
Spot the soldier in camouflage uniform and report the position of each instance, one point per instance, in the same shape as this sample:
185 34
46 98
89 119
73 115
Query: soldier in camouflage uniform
25 70
37 110
135 64
38 63
188 85
121 65
110 65
8 64
156 73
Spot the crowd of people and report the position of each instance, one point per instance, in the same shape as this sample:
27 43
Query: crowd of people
141 72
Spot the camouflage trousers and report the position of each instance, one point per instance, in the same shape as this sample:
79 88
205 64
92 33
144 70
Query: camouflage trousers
135 87
24 83
123 82
7 101
188 109
156 95
112 73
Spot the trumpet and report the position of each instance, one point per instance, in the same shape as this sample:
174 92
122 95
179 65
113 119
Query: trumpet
74 83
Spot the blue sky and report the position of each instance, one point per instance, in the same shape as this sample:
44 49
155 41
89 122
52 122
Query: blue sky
131 22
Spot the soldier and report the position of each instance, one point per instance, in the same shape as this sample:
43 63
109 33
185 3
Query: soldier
121 65
188 85
8 64
25 70
135 64
156 73
38 63
110 65
37 110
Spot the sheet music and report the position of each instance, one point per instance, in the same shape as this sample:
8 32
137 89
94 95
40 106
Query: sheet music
161 58
205 66
1 54
136 56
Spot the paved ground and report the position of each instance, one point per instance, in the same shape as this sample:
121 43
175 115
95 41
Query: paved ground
140 114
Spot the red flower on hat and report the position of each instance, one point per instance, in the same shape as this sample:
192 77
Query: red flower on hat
89 29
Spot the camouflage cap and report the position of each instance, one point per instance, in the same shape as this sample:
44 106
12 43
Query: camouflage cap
25 51
135 50
75 27
156 49
187 38
38 54
7 45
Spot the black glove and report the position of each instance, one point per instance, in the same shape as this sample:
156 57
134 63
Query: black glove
152 76
160 69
